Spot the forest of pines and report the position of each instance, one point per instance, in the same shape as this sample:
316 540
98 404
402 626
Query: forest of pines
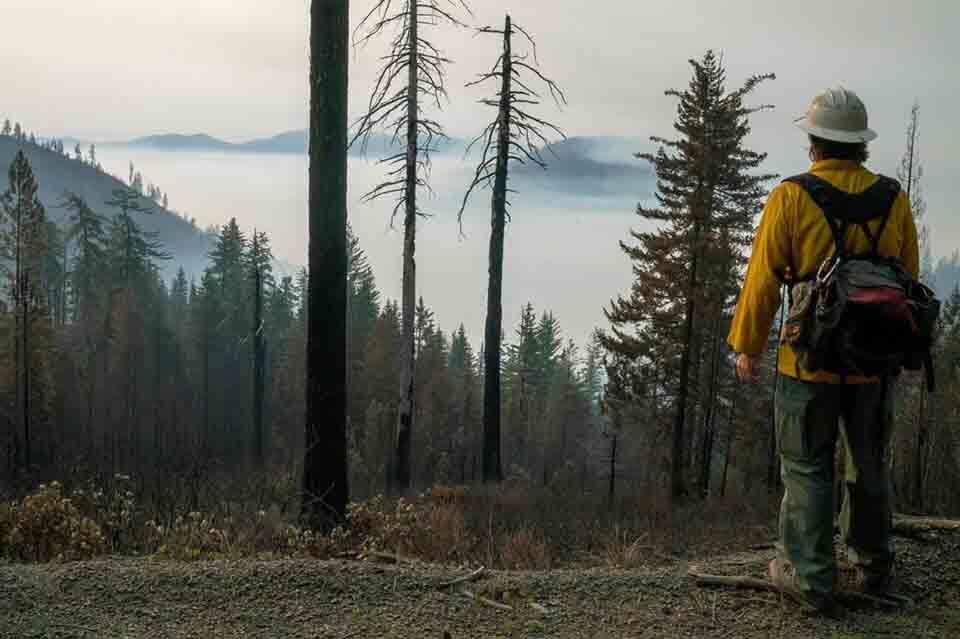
109 370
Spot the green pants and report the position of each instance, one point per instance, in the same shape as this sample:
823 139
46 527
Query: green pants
809 419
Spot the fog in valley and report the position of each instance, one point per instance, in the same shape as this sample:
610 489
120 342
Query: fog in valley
561 246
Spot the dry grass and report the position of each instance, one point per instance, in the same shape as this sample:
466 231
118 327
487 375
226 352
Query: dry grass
515 526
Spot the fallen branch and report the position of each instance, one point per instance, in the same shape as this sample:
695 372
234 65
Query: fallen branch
462 580
907 524
738 581
484 600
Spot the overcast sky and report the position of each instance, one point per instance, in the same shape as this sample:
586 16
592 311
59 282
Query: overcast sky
112 69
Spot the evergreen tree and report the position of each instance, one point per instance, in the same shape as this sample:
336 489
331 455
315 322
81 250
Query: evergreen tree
7 129
260 266
706 196
23 249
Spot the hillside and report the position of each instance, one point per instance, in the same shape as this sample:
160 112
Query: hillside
56 174
591 166
292 142
341 599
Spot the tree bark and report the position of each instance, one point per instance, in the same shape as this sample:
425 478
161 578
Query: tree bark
259 348
325 458
677 487
405 413
493 335
611 488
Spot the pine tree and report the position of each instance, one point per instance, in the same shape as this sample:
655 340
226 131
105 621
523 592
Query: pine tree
706 196
7 129
23 248
132 254
259 262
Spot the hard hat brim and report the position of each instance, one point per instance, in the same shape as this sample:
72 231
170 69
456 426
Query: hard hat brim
847 137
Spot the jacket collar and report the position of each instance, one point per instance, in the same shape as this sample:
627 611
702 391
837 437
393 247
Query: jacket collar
835 165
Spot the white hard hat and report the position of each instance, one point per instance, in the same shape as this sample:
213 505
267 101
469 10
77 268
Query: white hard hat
838 115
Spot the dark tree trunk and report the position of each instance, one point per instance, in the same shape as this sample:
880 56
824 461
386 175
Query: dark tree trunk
709 427
731 428
409 294
492 466
919 462
325 458
611 489
205 365
677 487
259 351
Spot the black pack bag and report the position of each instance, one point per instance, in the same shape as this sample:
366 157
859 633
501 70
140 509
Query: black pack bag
861 314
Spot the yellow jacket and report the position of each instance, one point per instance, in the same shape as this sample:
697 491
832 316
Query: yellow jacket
794 232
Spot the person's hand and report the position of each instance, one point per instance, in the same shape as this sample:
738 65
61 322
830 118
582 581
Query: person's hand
748 368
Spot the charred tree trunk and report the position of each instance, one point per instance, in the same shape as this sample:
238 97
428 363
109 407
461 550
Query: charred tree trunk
709 430
513 135
259 354
493 335
25 365
611 488
205 373
731 430
325 458
677 487
409 294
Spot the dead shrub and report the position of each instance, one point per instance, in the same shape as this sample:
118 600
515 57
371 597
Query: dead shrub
449 539
48 526
524 549
624 549
8 515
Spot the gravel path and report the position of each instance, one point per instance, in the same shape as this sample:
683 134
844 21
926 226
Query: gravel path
345 599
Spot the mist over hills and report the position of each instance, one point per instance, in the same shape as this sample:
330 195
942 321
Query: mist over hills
187 245
579 166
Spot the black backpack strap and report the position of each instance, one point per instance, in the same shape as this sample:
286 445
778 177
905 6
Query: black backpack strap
828 199
883 195
842 209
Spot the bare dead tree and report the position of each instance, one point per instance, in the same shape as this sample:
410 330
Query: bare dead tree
413 72
515 135
325 490
910 173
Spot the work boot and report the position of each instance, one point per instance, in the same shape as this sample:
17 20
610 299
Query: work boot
872 584
784 577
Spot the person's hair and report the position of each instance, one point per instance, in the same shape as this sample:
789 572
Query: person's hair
830 150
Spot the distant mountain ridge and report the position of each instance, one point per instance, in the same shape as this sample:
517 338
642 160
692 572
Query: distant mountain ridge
579 165
293 142
57 175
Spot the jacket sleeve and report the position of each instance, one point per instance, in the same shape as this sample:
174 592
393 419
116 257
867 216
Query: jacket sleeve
769 259
909 247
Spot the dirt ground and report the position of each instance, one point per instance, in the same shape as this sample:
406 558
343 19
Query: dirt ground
346 599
